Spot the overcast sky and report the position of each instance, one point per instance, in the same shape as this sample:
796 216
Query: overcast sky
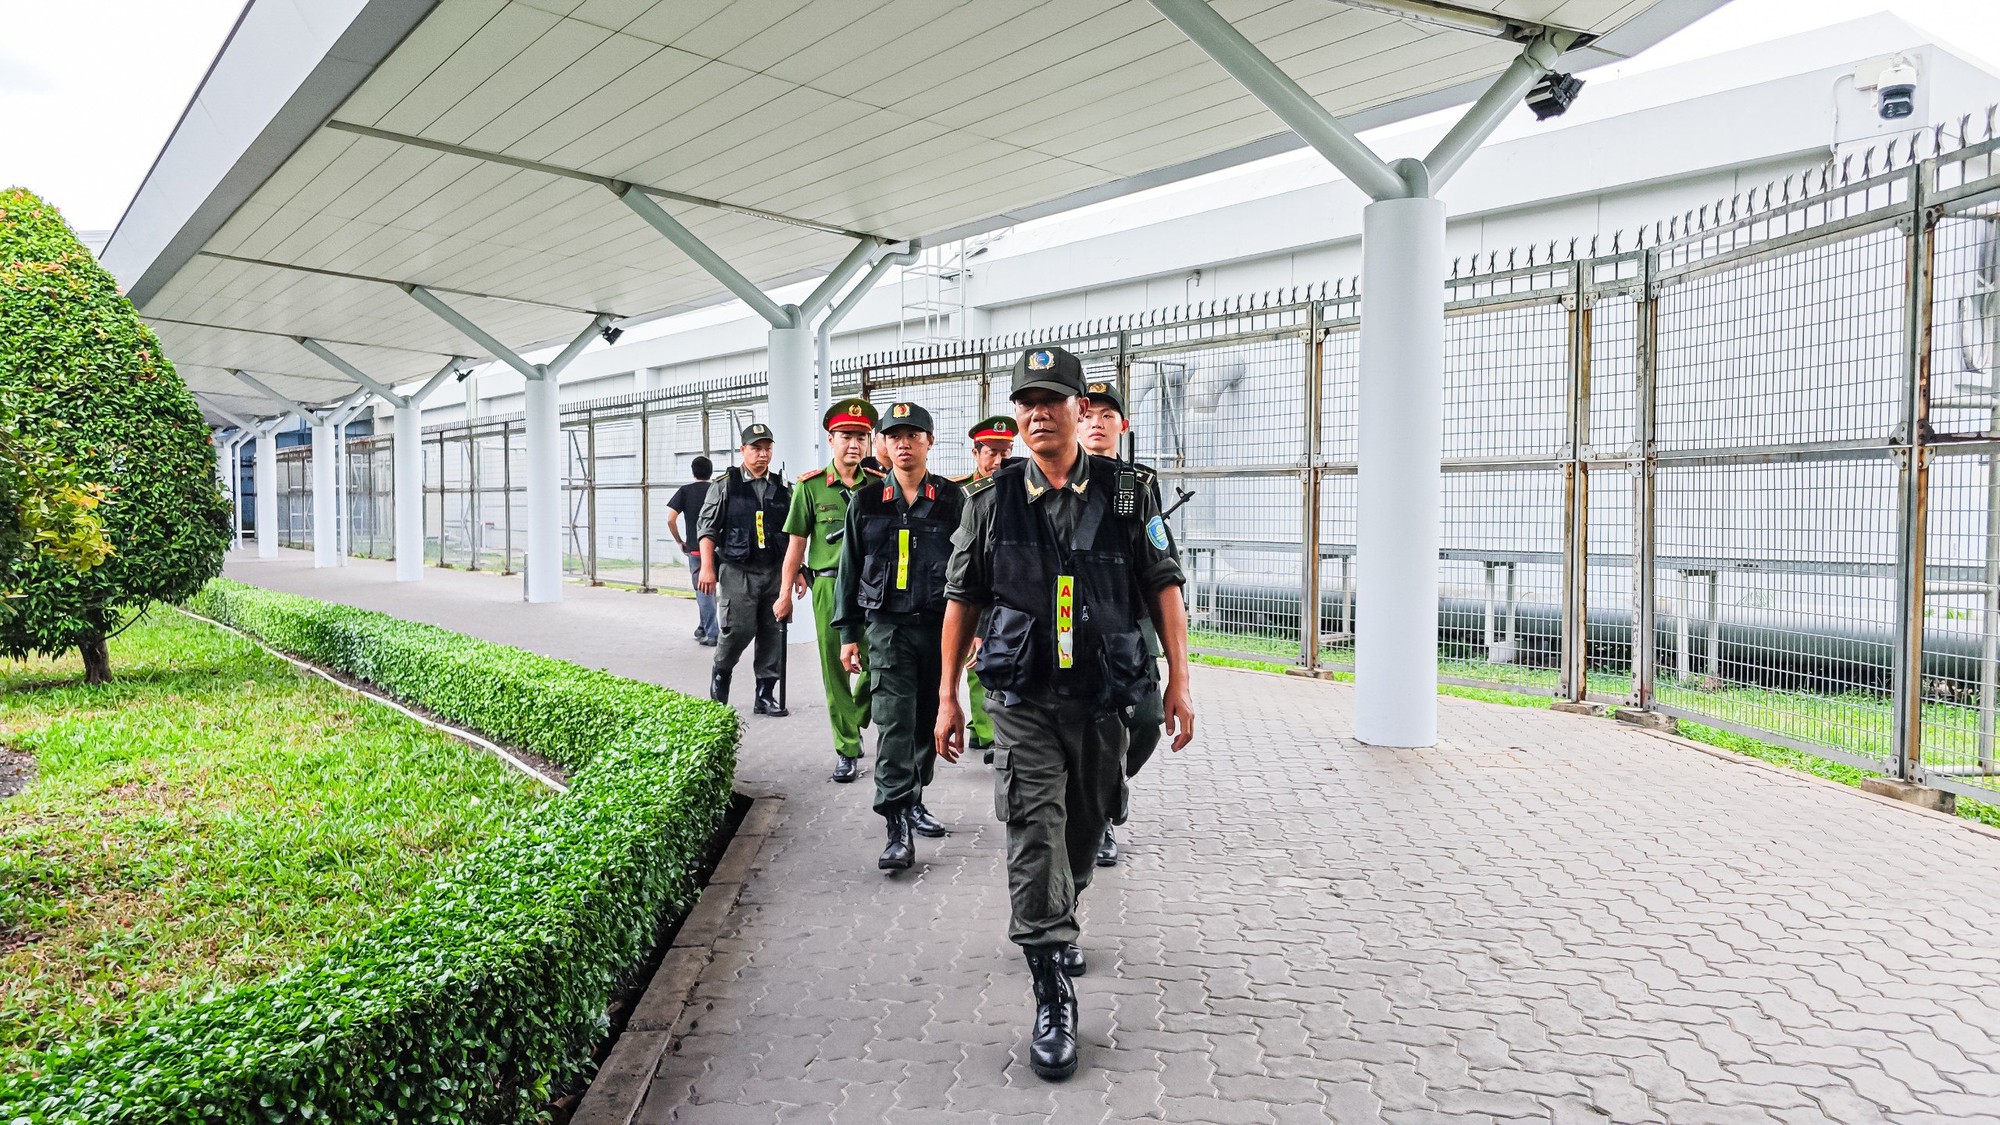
89 89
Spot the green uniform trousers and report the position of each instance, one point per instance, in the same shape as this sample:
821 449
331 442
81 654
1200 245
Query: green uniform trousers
846 704
1056 776
905 662
976 716
745 609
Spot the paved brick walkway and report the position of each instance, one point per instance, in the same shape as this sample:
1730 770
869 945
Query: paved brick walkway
1546 918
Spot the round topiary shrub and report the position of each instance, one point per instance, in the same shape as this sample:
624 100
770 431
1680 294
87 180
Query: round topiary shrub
85 375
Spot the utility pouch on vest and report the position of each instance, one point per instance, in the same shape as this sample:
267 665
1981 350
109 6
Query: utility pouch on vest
1128 673
1007 658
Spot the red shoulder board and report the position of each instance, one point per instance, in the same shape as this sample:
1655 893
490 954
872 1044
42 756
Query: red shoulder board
806 476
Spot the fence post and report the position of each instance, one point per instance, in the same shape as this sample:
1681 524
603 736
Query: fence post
1644 474
1574 683
1913 461
1309 485
507 495
590 489
986 377
645 499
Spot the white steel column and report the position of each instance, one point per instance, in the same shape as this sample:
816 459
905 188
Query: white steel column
791 383
543 557
264 476
1400 484
325 532
408 452
1402 360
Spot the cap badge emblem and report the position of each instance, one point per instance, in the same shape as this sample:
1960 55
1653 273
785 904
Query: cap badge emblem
1041 361
900 410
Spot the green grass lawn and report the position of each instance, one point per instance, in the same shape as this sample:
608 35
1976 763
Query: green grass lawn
209 817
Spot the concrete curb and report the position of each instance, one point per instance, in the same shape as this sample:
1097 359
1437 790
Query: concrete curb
666 1006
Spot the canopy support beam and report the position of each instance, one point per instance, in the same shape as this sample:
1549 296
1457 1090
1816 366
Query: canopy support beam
542 561
406 452
902 255
1400 480
790 342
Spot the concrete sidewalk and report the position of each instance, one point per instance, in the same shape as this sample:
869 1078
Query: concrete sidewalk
1544 918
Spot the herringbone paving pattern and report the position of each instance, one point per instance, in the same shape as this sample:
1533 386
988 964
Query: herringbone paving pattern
1545 918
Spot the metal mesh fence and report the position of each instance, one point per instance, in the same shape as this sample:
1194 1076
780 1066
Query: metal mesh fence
1745 467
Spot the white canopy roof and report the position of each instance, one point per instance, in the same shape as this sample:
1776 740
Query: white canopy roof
339 149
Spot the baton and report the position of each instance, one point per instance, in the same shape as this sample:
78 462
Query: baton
784 656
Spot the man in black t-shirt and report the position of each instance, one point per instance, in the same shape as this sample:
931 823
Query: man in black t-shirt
686 503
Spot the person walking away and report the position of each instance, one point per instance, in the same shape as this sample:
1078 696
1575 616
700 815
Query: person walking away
992 445
892 579
686 502
742 548
1102 430
816 523
1062 556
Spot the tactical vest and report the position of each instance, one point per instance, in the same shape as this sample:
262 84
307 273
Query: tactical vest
898 575
742 542
1020 654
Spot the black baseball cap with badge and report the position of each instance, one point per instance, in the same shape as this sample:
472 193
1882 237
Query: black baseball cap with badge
1098 390
1047 369
756 432
906 415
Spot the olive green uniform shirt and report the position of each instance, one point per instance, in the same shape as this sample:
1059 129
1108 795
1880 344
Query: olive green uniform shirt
819 513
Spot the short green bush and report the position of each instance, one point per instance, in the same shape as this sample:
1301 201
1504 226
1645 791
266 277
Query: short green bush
486 992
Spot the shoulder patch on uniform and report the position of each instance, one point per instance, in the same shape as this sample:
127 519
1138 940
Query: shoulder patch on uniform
808 475
1156 532
1146 473
974 488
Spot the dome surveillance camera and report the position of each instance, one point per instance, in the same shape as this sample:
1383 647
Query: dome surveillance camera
1896 91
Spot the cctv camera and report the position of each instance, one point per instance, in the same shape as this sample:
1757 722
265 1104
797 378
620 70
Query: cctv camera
1896 90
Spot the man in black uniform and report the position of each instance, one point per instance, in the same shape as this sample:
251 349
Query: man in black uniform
891 594
1102 431
1069 554
743 543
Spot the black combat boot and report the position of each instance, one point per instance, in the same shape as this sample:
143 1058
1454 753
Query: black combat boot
902 851
845 769
924 824
767 700
1072 960
1107 849
718 684
1053 1051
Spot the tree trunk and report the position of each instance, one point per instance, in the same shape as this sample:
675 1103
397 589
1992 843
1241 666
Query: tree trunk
96 659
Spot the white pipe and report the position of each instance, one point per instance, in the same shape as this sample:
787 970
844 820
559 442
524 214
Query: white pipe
543 424
264 475
326 549
1400 483
791 411
408 453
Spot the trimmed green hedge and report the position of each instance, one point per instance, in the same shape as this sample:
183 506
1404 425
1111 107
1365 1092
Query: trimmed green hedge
486 992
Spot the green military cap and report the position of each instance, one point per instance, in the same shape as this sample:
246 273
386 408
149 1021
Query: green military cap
997 428
850 414
1049 369
756 432
902 414
1099 390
